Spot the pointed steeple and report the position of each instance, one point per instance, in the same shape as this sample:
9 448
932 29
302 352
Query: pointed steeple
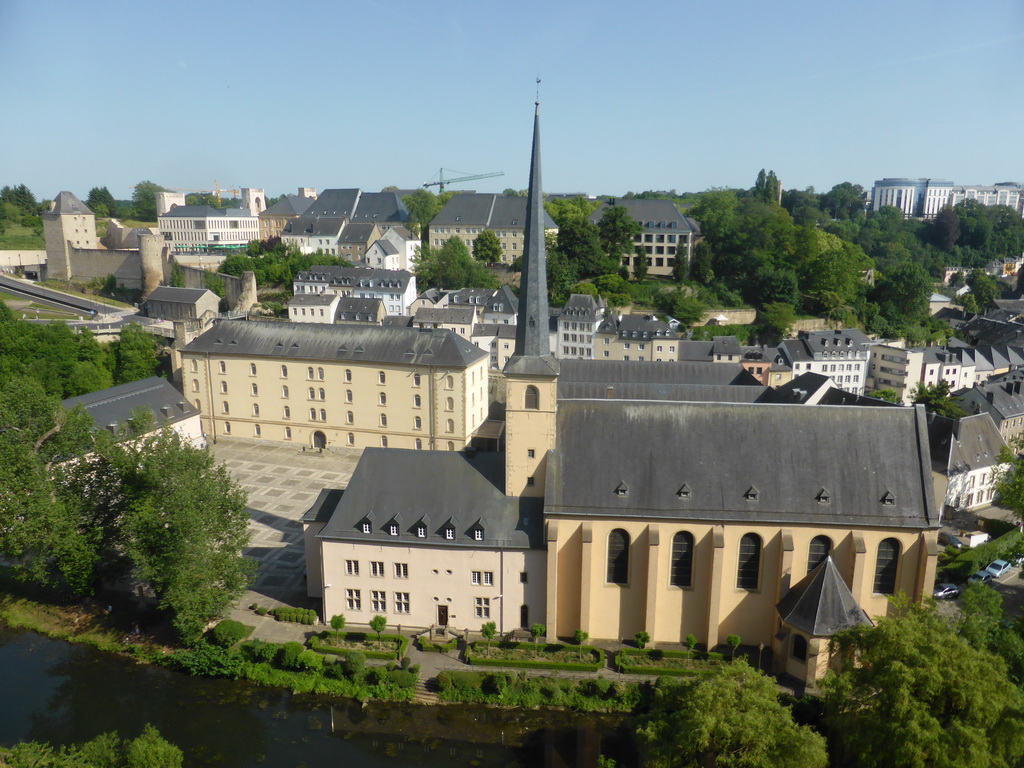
532 355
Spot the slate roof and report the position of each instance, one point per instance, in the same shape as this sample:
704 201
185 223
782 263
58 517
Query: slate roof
353 277
810 345
312 299
289 205
668 392
982 330
580 377
321 341
488 210
397 321
583 307
349 308
115 405
1002 399
501 330
721 451
962 445
206 212
503 302
462 315
178 295
434 488
821 604
313 226
649 212
640 327
357 233
66 203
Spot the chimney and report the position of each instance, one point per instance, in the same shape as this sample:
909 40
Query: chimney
181 406
165 410
609 393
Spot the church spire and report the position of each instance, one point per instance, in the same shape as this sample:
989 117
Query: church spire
532 355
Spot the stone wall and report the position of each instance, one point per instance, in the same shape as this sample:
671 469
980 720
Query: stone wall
10 259
239 292
736 316
811 324
89 263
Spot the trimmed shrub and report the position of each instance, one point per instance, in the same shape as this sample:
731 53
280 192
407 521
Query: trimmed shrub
596 656
402 678
261 611
428 647
260 651
288 657
228 632
355 662
310 661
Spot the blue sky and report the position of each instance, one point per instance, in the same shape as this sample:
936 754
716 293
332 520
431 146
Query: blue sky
635 96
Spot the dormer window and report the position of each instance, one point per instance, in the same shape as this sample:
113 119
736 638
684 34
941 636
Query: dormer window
392 529
823 497
421 531
751 494
683 492
622 490
888 500
449 532
365 526
478 534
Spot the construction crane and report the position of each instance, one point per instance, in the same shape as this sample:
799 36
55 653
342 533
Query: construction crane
216 191
442 181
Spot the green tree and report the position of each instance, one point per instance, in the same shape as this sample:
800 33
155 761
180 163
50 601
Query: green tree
911 692
936 399
702 269
617 232
151 750
489 630
968 302
642 639
766 187
378 624
985 288
580 243
101 202
640 265
422 205
945 229
487 247
135 355
451 267
338 624
778 318
537 631
144 200
902 293
733 641
580 637
889 395
844 201
729 716
148 750
572 209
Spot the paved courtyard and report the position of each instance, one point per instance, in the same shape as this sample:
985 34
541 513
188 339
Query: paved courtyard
282 482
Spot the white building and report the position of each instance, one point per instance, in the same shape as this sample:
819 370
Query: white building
396 288
313 307
394 250
841 355
926 197
578 322
202 228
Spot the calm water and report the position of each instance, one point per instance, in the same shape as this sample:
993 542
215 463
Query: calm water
57 692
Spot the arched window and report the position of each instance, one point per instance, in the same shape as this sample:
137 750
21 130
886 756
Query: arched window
820 548
323 395
383 398
287 412
227 427
419 444
194 366
255 389
224 407
195 385
320 373
449 382
252 369
417 423
255 409
323 415
449 404
287 433
383 419
416 401
415 379
309 373
284 371
682 560
312 394
618 557
886 565
349 417
384 444
451 446
531 400
749 567
449 426
351 439
284 392
381 377
348 375
799 647
312 414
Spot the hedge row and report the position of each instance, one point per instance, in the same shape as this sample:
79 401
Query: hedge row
531 664
317 644
296 615
972 560
426 647
657 653
228 632
623 665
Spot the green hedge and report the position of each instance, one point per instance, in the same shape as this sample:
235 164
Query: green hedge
532 664
623 665
305 616
317 644
228 632
426 647
972 560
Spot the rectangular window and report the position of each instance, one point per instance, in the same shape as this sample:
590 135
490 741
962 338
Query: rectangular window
379 601
482 607
522 577
401 602
376 568
401 570
353 599
352 567
488 578
475 578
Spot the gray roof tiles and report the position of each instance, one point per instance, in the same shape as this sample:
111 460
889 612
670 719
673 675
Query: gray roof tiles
320 341
115 405
66 203
821 604
178 295
860 455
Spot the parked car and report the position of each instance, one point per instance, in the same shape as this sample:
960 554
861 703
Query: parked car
983 576
998 568
946 591
951 540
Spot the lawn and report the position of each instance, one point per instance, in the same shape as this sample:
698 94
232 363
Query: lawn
19 238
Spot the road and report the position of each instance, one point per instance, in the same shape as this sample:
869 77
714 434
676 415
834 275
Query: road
54 299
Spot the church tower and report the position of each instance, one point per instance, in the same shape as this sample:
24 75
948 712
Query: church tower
532 372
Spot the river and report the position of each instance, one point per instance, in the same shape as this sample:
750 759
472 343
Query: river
61 693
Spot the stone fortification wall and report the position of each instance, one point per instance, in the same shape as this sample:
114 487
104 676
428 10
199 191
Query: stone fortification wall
736 316
89 263
239 292
811 324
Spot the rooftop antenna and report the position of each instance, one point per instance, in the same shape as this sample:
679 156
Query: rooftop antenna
537 102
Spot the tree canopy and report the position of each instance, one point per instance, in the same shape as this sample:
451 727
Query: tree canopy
729 716
108 750
450 267
144 200
912 692
617 231
487 247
